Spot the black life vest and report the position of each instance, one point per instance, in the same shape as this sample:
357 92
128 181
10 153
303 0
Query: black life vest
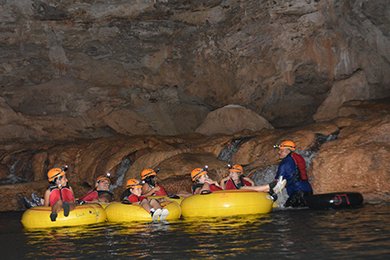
54 186
101 192
196 186
125 194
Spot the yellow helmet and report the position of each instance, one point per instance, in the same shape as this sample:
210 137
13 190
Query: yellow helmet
55 173
147 173
133 183
236 168
287 144
197 172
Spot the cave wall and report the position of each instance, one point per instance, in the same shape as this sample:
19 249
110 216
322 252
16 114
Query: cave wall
86 69
348 154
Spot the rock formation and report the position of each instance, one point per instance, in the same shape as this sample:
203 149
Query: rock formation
232 119
159 67
121 85
347 154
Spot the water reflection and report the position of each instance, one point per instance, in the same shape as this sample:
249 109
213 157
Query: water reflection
303 234
201 238
339 233
224 237
62 242
353 230
226 226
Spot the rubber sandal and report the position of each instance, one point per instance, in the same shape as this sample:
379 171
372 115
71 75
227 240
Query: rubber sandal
156 215
164 214
53 216
66 209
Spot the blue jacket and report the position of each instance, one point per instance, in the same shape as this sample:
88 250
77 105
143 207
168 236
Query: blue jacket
289 171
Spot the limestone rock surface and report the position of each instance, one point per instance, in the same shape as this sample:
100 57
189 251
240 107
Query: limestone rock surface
116 86
347 154
89 69
231 119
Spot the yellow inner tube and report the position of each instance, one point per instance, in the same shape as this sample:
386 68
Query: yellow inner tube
178 199
226 203
119 212
39 217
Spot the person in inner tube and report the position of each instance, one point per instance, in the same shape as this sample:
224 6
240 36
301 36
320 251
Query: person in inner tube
235 181
201 181
293 168
101 192
150 186
59 194
132 195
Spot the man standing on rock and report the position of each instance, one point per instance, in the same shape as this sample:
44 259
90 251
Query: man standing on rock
293 169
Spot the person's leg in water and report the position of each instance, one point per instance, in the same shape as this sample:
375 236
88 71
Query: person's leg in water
297 199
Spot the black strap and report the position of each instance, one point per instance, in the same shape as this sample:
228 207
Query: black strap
195 186
125 194
101 192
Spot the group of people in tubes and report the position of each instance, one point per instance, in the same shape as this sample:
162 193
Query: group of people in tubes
291 174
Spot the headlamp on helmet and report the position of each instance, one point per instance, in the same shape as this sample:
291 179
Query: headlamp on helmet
55 173
236 168
105 177
148 172
198 172
133 184
288 144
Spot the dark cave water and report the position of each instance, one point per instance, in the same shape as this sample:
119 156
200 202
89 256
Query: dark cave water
362 233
